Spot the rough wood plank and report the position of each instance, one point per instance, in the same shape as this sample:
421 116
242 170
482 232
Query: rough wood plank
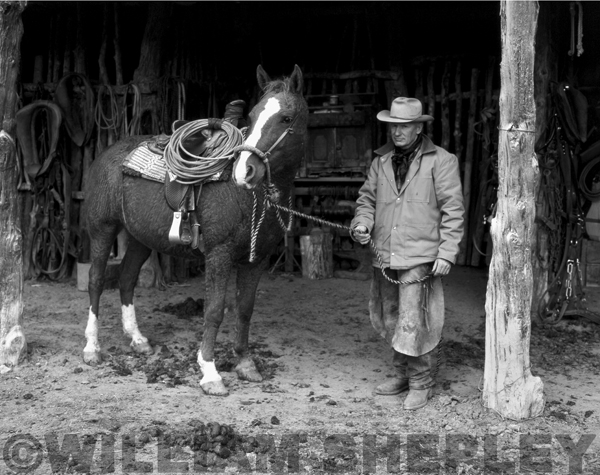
445 106
509 388
152 54
480 208
468 171
458 114
117 46
431 98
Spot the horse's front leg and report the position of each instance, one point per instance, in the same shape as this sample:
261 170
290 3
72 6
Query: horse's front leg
218 268
248 277
134 258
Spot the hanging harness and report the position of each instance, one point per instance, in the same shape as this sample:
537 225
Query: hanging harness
560 193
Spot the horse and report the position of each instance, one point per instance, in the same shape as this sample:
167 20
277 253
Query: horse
264 168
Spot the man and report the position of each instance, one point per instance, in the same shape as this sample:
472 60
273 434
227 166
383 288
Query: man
411 205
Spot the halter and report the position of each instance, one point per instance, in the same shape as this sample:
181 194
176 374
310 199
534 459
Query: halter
272 192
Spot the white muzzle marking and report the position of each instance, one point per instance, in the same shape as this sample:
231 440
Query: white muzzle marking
271 108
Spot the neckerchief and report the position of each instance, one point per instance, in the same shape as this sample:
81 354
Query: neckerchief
401 160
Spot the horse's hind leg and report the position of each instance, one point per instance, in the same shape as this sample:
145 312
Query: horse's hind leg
247 282
134 258
100 246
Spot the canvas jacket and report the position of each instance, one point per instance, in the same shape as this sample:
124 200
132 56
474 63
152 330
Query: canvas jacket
424 219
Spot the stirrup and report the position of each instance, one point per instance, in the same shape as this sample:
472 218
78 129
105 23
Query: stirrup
180 232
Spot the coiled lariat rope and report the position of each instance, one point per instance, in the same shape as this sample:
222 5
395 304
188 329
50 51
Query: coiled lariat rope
270 204
193 168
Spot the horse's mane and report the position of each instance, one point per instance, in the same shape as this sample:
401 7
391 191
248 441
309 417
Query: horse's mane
276 86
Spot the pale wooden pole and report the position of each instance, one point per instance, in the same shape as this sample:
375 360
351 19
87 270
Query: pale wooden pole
13 344
509 388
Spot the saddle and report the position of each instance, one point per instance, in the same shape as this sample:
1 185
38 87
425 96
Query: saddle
147 161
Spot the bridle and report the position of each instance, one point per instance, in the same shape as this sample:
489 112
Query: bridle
272 192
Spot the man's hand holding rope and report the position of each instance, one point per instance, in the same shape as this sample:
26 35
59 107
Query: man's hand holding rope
441 266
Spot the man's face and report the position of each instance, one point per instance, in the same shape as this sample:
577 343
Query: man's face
404 135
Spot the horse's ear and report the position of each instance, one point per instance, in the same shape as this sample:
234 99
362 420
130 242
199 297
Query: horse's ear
262 77
296 80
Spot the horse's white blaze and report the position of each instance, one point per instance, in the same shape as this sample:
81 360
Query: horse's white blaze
209 370
91 334
271 108
130 326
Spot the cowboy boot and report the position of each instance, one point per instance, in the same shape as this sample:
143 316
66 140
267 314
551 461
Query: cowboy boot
399 383
417 398
392 387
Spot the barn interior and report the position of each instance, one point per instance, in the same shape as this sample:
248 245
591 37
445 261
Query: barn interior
135 67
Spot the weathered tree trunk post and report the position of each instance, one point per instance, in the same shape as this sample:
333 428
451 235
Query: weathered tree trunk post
509 387
13 344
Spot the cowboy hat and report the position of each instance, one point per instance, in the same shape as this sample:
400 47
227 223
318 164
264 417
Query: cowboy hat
403 111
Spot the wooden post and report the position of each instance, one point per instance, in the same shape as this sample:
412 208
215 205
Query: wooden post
458 114
13 344
79 51
509 387
58 52
445 92
68 50
467 176
317 255
431 98
152 54
480 207
102 55
117 46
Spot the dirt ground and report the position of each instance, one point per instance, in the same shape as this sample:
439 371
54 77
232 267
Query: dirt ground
321 360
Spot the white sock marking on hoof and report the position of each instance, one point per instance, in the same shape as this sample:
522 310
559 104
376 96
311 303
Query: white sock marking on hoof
209 370
130 326
91 334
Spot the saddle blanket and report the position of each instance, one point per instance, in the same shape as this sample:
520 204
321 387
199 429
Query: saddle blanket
145 163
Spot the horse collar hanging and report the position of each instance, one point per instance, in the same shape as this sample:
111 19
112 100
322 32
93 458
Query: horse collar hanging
272 192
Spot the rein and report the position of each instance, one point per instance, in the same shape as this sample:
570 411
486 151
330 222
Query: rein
270 204
264 156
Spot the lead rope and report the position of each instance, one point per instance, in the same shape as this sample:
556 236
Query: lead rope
271 204
256 226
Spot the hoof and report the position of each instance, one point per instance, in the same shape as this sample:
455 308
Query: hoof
214 388
246 370
92 358
143 348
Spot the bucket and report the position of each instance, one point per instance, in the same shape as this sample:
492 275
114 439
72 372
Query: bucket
83 275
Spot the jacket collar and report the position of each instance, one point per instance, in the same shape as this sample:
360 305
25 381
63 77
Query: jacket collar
386 152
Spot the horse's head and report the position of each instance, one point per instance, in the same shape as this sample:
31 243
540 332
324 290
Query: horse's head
274 145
